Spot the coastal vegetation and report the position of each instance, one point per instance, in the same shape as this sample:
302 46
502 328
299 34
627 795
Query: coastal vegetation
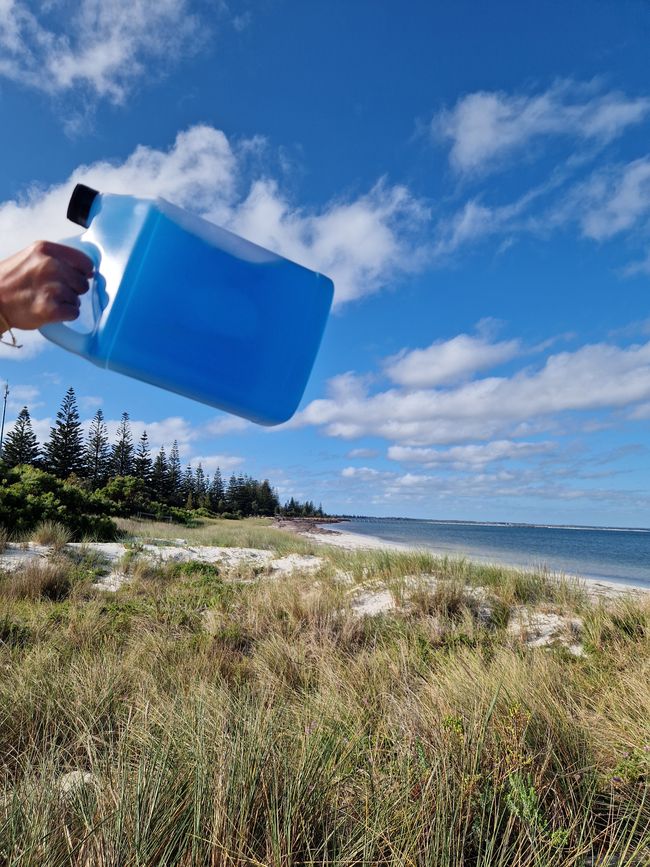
79 481
229 713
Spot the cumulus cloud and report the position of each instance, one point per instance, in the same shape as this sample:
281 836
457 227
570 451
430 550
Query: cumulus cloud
448 361
362 244
485 127
593 378
104 47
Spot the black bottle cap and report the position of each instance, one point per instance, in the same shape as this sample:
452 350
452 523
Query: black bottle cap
81 201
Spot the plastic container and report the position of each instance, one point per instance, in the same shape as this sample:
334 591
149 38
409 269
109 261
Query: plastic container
192 308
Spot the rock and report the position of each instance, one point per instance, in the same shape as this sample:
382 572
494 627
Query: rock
370 604
546 629
296 562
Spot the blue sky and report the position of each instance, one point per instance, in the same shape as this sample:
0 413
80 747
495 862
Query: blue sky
474 177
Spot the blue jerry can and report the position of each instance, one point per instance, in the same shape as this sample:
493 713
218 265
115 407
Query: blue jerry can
192 308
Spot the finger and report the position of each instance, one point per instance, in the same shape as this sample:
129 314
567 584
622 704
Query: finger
75 258
65 295
64 313
74 279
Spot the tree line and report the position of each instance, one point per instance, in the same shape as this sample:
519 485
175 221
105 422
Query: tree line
127 474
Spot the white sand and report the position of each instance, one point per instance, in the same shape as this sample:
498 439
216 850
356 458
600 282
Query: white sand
252 560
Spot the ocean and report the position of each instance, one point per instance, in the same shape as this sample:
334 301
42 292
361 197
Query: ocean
612 554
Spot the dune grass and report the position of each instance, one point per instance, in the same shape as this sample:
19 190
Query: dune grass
191 719
248 533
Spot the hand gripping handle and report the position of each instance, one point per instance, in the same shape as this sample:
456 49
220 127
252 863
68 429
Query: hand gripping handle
59 332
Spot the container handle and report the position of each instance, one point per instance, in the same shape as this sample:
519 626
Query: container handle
59 332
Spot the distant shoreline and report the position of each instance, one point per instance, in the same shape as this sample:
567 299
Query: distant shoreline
469 523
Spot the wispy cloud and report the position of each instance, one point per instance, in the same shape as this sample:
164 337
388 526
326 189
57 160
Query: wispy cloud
102 47
393 489
613 200
470 457
486 127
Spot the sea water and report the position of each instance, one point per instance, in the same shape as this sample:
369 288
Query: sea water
613 554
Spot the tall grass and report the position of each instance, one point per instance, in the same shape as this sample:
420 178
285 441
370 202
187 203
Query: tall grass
285 730
249 533
53 534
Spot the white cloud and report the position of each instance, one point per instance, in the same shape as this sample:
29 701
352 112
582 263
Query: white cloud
448 361
160 433
470 457
211 462
360 473
104 47
362 244
90 401
20 396
594 378
226 425
30 344
362 453
486 127
612 200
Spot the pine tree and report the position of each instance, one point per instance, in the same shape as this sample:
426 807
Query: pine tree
232 494
175 475
96 452
267 498
200 489
122 451
217 492
245 494
142 466
64 450
160 477
187 487
21 445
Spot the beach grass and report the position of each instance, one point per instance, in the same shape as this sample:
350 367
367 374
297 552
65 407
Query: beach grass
248 533
192 718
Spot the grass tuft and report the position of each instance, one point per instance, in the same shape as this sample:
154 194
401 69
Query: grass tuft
53 534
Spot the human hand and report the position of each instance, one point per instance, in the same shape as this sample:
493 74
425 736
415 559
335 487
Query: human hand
42 284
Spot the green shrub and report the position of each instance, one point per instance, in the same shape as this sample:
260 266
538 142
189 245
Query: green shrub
126 495
28 497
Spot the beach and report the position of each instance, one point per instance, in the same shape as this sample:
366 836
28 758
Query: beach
330 534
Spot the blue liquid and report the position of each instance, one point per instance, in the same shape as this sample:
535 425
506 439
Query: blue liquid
189 307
